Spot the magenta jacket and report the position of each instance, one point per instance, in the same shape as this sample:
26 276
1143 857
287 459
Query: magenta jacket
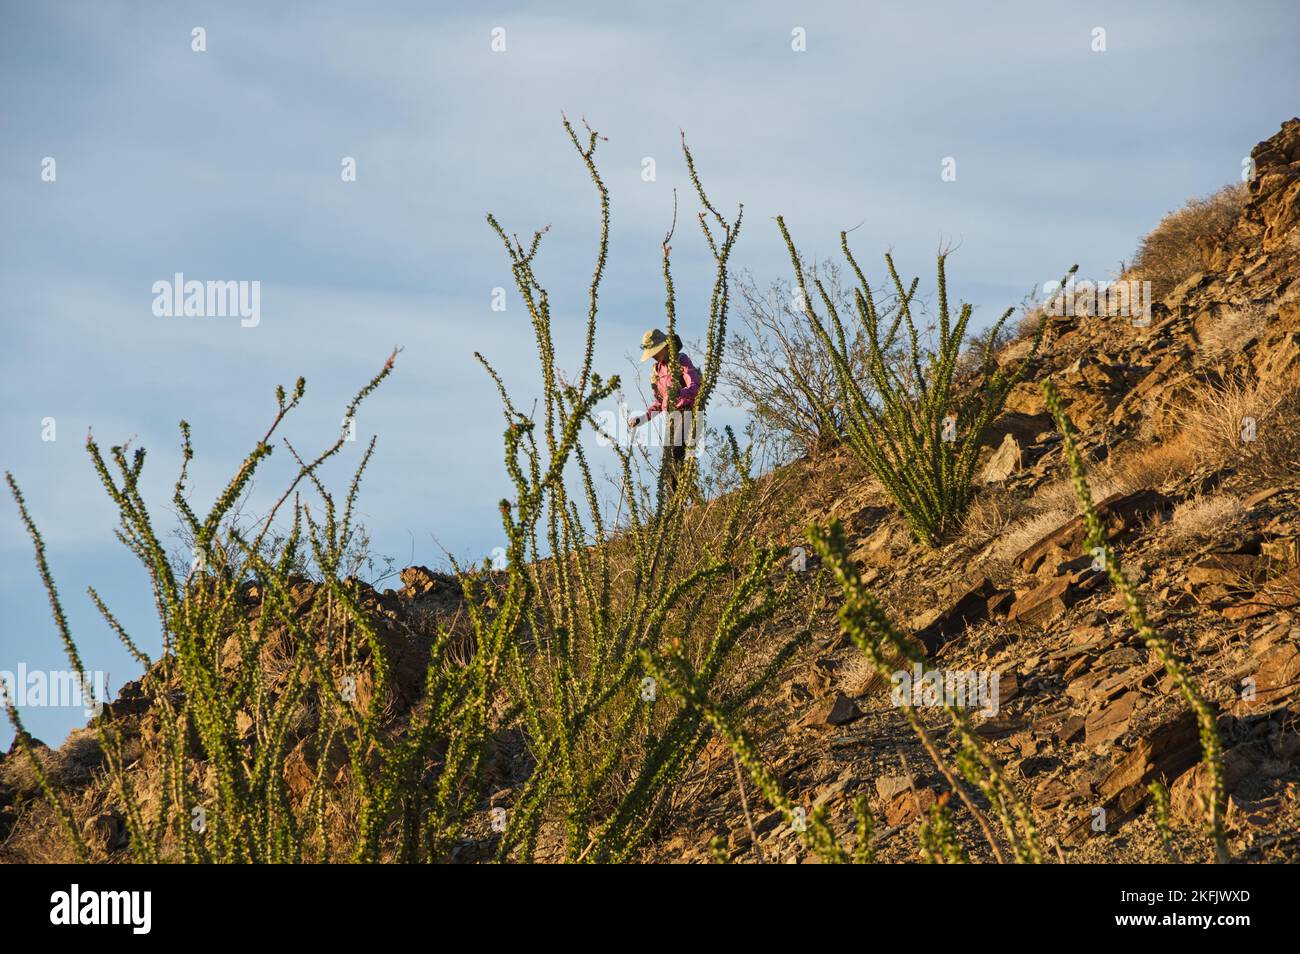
685 394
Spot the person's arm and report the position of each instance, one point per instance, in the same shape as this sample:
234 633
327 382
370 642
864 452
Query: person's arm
690 385
655 407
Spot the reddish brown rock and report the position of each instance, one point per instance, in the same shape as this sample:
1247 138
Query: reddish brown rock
1110 722
1259 496
1229 569
1164 753
1281 593
1049 793
1276 679
1282 551
906 807
420 580
999 604
1188 794
1126 680
1042 605
838 709
970 604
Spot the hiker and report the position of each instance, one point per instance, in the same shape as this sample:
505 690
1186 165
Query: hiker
655 344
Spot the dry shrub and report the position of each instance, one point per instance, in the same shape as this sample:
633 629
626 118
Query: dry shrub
1152 466
1177 247
1251 427
1231 331
1019 536
1203 519
991 512
777 367
37 837
1013 525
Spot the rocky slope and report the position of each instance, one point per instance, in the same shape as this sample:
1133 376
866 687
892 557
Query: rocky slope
1086 718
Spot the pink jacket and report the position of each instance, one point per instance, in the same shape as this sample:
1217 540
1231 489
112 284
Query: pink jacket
685 394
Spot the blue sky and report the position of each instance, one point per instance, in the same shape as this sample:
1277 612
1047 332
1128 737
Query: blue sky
225 165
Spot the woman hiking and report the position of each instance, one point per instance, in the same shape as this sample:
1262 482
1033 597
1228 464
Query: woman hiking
655 344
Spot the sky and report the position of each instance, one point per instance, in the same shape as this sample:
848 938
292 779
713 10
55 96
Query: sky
1072 128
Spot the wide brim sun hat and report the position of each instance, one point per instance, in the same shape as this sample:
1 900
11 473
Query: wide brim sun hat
652 342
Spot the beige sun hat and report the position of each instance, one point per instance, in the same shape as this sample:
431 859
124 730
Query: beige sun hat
652 342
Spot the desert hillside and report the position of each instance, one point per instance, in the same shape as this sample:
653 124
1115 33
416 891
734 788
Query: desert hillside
764 711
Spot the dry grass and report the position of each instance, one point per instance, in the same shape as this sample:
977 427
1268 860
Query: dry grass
37 837
1007 526
1153 466
1176 248
1203 519
857 676
991 513
1248 426
1231 331
1019 536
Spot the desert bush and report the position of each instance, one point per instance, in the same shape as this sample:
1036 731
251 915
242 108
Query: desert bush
911 421
1247 425
1020 533
1203 519
780 371
1232 330
1152 465
1178 246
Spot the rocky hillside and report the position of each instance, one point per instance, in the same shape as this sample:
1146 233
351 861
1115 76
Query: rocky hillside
1187 417
1207 523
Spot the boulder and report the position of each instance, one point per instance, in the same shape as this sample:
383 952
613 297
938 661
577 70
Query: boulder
1006 460
1190 790
878 549
970 603
1112 721
1240 570
420 580
1276 679
906 807
890 786
1040 606
106 831
1280 593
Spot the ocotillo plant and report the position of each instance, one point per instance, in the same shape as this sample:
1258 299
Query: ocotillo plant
913 424
277 736
603 600
1159 644
938 836
685 685
297 684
